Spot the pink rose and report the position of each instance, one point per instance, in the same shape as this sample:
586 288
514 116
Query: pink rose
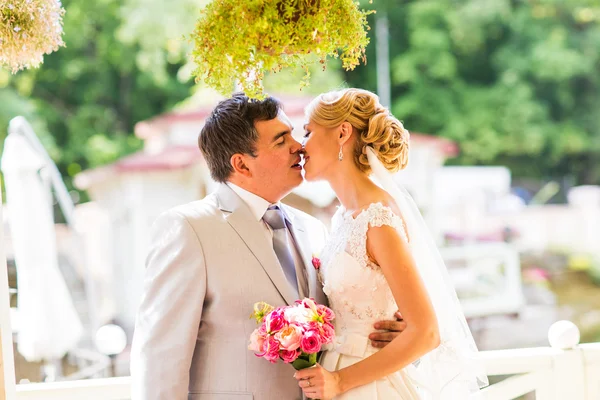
327 333
311 341
270 350
257 340
289 337
289 356
325 312
275 321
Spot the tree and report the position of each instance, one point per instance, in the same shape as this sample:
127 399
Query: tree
513 82
87 97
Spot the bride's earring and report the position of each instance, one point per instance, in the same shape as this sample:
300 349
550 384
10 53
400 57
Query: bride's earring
340 154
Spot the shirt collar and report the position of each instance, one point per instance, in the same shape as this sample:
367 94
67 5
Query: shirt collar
257 205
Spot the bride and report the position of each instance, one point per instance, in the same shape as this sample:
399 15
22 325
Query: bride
380 258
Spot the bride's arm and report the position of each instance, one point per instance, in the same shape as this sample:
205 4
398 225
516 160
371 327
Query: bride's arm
421 335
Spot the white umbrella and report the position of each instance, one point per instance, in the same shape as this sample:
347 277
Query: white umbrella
49 324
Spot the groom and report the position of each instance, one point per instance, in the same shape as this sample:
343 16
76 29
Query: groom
212 259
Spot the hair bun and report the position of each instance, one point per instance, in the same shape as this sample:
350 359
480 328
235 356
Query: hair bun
388 138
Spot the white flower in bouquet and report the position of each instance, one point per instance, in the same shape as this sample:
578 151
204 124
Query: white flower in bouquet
299 314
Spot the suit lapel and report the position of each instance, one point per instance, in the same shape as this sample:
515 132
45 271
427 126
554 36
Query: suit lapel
240 218
306 252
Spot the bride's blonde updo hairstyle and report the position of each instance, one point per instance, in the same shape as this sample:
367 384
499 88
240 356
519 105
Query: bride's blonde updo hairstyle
373 123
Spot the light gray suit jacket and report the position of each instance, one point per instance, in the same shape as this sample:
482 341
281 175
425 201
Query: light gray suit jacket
209 263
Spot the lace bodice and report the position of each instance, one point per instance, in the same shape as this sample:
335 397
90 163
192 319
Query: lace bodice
356 287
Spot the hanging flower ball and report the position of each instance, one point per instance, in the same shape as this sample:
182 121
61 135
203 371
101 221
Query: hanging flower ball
28 30
236 42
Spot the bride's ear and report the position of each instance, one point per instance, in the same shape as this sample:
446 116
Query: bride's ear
344 133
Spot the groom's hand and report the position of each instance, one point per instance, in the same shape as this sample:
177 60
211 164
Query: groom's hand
393 328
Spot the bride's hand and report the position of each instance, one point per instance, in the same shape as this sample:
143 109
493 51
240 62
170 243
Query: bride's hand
318 383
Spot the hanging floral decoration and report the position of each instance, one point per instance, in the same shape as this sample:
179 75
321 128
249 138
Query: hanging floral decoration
28 30
236 42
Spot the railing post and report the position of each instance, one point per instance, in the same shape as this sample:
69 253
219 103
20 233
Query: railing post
569 375
568 371
2 385
591 356
545 387
7 361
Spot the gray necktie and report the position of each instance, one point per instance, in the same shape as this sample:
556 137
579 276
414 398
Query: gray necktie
275 219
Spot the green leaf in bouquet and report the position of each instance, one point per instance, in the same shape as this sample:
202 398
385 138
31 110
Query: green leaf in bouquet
305 361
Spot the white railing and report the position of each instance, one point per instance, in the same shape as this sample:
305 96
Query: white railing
499 261
91 389
549 372
552 374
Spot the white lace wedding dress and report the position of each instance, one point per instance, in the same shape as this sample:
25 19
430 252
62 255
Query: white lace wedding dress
359 295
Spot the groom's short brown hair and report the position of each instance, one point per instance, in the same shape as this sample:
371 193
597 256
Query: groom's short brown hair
230 130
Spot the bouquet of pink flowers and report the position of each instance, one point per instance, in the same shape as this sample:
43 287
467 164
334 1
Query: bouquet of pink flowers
294 333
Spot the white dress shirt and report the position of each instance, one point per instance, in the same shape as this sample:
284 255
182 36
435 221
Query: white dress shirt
258 206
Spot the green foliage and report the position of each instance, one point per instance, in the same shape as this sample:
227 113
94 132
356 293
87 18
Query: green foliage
158 28
513 82
240 40
86 98
321 80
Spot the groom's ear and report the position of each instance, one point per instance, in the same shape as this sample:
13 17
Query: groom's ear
239 165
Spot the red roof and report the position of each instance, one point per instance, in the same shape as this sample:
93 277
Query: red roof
446 146
292 105
174 157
